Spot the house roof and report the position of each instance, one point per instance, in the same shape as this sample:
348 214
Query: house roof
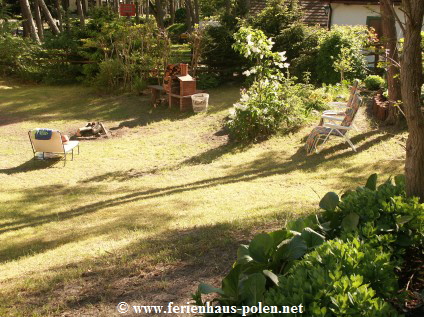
314 11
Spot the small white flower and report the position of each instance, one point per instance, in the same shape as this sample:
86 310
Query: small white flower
253 71
286 65
282 56
255 50
244 98
246 73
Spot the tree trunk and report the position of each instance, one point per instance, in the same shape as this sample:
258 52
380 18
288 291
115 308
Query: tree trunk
39 22
80 13
159 14
59 14
188 16
196 11
84 7
137 12
27 15
392 58
116 6
411 81
172 10
48 17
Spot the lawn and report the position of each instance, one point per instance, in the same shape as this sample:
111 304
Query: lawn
146 215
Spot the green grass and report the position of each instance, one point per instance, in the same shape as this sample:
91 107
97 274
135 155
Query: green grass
145 216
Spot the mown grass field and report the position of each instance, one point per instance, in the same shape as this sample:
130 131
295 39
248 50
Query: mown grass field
145 216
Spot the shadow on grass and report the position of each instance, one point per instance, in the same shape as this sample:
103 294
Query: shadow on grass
31 165
46 103
263 167
144 220
154 271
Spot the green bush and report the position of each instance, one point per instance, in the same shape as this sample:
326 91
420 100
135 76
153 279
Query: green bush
17 54
338 279
342 262
301 44
207 80
349 40
175 31
218 52
374 82
277 16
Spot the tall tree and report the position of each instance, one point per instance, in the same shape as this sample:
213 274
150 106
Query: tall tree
189 20
159 14
27 16
58 8
38 20
48 17
196 11
392 58
411 76
172 10
80 13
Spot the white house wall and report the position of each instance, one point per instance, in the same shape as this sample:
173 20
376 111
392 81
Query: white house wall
354 14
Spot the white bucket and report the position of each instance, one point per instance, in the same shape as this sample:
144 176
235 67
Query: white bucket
200 102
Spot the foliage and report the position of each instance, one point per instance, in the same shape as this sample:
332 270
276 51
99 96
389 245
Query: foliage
17 54
258 263
218 52
374 211
271 101
277 16
347 41
374 82
339 279
301 44
207 80
127 54
180 15
175 30
357 244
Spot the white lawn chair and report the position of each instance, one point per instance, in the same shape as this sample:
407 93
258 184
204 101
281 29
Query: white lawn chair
321 134
50 141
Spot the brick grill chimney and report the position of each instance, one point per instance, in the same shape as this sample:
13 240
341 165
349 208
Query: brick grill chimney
184 69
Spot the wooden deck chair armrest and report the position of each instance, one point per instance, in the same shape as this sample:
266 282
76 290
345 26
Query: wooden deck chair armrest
335 118
336 126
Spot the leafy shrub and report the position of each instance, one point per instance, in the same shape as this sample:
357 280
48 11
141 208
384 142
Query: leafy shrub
301 44
207 80
17 54
351 273
338 279
317 99
126 54
272 101
180 15
275 252
350 39
218 52
277 16
374 82
175 31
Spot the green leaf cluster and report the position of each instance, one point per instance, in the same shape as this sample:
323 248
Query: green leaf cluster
258 264
341 262
338 279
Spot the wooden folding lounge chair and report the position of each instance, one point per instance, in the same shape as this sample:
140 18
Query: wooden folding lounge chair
321 134
50 141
